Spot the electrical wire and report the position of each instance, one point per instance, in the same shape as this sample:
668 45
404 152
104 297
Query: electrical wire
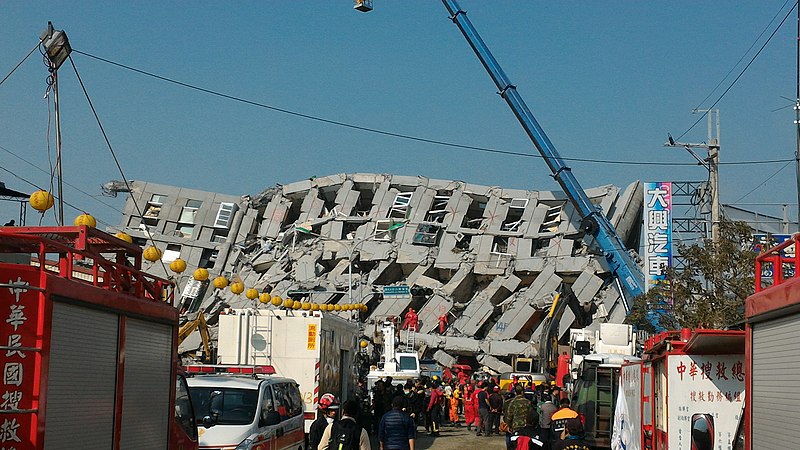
743 56
764 182
705 113
116 160
32 184
405 136
67 183
19 64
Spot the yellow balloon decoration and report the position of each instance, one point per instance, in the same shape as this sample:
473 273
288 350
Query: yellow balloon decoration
264 297
337 307
251 294
177 266
315 306
297 305
276 300
363 344
201 274
306 306
152 254
288 303
85 219
220 282
42 201
237 287
124 237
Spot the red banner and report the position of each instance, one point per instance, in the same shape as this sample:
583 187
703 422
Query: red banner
21 311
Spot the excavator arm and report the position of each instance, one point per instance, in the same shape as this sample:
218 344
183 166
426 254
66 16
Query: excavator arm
199 323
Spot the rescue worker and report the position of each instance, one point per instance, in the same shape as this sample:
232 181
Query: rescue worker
559 420
327 407
517 410
482 399
572 437
546 411
345 433
529 437
470 412
435 408
495 411
411 320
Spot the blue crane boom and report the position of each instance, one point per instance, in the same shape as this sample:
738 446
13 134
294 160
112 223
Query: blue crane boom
594 222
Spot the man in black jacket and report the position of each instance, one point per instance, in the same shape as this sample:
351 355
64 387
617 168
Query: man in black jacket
397 430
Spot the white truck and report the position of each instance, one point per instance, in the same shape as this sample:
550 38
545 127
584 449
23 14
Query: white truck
401 366
611 338
317 349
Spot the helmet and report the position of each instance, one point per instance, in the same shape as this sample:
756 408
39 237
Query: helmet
328 401
435 378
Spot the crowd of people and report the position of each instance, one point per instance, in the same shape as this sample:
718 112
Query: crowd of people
528 418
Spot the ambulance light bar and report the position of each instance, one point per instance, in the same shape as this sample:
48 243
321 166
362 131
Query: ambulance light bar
246 370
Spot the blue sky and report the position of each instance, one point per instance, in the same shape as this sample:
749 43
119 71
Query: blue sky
606 80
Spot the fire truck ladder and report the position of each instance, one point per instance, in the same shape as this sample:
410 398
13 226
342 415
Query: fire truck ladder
604 407
261 330
410 338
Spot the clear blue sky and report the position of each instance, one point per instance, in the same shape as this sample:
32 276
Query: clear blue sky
606 80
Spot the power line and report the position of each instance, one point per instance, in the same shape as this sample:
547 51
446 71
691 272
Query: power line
764 182
19 64
743 55
739 76
400 135
67 183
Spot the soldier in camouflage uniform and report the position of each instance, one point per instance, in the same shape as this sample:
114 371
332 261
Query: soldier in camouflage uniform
517 410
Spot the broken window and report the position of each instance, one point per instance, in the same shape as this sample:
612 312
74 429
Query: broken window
539 247
225 215
513 218
426 234
384 230
189 211
462 242
400 207
552 219
153 207
184 230
438 209
219 235
473 219
172 253
208 258
366 195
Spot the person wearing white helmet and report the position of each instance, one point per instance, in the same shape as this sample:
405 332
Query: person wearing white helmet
327 407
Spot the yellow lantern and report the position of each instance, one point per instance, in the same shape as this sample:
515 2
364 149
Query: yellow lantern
363 344
306 306
251 294
315 306
85 219
220 282
364 308
177 266
152 254
337 307
237 287
297 305
276 300
264 298
288 303
201 275
124 237
42 201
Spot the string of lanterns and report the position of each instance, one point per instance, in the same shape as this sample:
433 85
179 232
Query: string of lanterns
42 201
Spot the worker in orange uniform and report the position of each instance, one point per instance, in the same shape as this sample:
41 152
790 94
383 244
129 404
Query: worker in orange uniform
454 409
442 323
411 321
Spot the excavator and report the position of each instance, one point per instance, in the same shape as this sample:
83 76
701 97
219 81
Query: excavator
198 323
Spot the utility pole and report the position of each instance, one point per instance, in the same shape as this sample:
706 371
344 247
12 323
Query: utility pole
797 121
710 162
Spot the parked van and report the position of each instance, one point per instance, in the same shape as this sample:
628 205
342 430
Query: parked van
246 410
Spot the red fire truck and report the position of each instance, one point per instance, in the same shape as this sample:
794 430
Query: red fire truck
87 346
772 351
687 393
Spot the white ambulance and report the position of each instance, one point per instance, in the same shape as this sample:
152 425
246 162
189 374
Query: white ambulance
246 408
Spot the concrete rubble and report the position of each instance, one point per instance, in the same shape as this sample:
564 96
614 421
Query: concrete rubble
492 259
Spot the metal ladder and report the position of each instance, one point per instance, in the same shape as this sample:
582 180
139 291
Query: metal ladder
410 338
266 331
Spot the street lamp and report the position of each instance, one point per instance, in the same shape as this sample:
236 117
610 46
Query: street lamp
350 250
57 49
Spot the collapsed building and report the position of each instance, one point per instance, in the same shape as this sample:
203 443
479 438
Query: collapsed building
489 259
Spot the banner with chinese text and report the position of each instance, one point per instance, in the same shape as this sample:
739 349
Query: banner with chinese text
657 232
